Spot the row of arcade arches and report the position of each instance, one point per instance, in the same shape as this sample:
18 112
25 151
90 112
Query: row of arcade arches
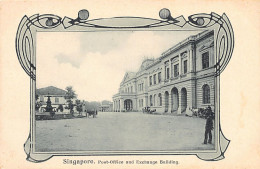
156 100
175 100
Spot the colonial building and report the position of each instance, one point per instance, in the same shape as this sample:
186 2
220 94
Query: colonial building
57 96
181 78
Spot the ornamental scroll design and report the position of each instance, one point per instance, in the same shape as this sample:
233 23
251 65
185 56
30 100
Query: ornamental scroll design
25 42
25 48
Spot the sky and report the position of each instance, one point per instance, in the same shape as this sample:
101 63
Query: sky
94 63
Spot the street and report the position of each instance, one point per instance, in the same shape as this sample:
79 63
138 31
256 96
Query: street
122 131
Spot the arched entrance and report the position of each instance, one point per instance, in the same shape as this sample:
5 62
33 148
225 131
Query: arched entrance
175 99
128 105
183 100
166 96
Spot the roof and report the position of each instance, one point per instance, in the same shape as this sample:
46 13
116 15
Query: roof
50 90
185 41
128 75
147 62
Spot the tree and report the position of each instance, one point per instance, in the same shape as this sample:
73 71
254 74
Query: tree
60 107
38 104
69 96
36 97
79 106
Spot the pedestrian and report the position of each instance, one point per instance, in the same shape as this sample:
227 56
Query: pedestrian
208 128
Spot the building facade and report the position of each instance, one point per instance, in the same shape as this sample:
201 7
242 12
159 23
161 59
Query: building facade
56 96
180 79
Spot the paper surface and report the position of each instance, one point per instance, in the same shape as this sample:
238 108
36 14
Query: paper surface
239 90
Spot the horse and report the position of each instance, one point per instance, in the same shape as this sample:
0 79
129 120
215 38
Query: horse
91 113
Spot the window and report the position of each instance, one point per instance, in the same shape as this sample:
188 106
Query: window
206 94
159 77
131 89
154 78
176 70
185 66
142 86
151 81
205 60
160 99
151 100
167 73
56 100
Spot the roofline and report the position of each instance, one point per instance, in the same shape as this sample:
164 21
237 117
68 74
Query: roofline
176 47
186 41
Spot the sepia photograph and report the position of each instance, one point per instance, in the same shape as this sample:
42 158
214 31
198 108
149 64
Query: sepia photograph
125 91
129 84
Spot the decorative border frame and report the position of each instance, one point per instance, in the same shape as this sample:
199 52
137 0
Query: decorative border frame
26 46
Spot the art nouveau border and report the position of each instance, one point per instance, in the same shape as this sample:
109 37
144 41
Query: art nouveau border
26 46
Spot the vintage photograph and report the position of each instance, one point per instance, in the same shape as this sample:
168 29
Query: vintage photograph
125 84
125 91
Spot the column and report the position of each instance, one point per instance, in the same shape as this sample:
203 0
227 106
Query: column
164 72
121 105
179 102
170 103
113 107
163 101
170 69
180 65
146 101
192 59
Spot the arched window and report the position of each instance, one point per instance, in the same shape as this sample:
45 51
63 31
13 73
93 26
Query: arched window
160 99
206 94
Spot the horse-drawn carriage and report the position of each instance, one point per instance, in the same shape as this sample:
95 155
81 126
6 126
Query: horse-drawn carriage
148 110
91 113
202 112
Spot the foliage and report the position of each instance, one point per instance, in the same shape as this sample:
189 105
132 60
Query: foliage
92 105
60 107
69 96
38 105
36 96
79 106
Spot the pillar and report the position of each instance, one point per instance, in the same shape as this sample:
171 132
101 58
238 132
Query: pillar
170 103
180 65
